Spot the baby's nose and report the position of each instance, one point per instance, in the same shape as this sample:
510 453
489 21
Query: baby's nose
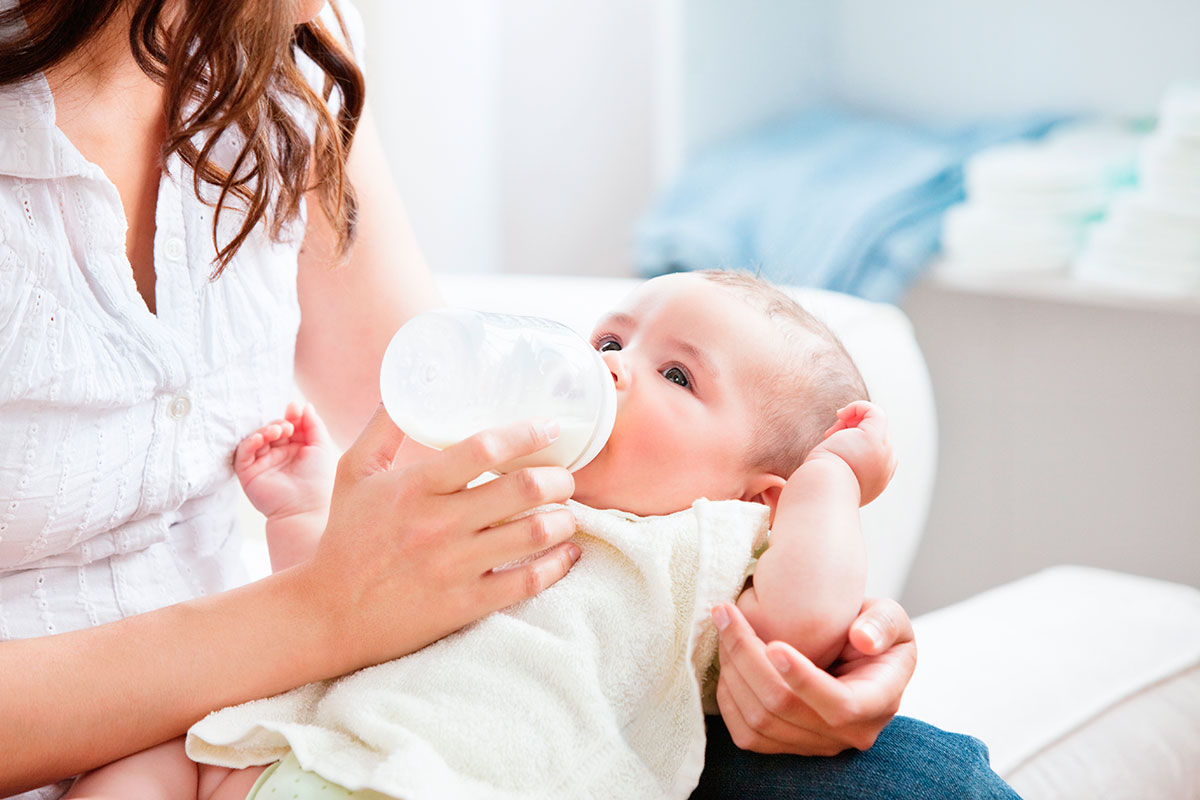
616 367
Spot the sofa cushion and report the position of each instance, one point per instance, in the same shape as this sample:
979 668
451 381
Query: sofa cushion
1078 679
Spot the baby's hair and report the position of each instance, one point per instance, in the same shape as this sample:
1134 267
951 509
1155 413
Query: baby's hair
800 402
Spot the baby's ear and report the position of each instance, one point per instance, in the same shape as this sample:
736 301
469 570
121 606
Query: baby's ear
765 488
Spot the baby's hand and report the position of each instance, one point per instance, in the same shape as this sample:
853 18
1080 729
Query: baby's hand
860 438
287 466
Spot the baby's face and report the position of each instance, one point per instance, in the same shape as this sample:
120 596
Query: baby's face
685 354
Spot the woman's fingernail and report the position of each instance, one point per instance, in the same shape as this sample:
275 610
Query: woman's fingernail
720 618
573 552
872 631
548 429
780 661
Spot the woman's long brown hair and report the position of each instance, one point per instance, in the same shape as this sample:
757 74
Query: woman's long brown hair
226 65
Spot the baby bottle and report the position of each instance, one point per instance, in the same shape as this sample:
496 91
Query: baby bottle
450 373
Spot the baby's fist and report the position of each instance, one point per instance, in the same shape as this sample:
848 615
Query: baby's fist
860 438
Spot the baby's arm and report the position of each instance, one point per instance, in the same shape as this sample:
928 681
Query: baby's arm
163 772
286 469
808 586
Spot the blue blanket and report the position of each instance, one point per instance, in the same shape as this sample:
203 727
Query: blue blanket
825 199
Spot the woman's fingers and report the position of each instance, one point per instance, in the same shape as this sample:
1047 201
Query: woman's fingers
740 731
509 495
843 712
521 537
407 539
522 581
857 704
788 704
742 648
465 461
753 727
814 688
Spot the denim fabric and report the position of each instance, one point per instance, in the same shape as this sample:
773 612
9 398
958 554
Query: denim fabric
910 760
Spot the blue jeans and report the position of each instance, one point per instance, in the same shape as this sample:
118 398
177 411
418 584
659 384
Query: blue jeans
910 760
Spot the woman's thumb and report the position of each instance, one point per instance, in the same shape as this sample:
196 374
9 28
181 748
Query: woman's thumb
376 446
881 624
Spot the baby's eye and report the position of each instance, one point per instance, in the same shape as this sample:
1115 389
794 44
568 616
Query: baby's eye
676 375
608 343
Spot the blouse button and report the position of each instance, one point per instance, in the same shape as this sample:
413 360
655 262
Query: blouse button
174 248
179 407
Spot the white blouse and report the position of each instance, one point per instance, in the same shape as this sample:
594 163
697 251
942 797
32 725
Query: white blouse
117 426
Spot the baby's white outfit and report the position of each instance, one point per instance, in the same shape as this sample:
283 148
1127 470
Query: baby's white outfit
118 426
590 689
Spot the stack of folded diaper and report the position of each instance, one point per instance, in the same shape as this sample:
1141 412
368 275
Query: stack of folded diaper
1151 237
1029 205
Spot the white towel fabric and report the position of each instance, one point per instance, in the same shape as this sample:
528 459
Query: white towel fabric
590 689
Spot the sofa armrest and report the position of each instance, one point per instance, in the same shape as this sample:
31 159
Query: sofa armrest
1037 667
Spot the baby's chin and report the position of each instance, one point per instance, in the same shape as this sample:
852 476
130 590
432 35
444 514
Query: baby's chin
608 484
590 492
640 500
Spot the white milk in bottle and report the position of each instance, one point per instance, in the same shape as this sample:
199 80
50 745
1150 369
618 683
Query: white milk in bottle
450 373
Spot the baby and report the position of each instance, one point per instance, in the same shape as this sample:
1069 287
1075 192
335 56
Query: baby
736 410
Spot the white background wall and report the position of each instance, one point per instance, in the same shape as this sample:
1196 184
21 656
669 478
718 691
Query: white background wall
432 84
953 59
520 132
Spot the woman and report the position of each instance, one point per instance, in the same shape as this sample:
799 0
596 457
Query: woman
158 275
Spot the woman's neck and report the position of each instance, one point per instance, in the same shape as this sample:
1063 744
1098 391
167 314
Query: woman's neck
101 73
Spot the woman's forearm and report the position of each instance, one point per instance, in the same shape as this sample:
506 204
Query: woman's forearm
407 557
75 701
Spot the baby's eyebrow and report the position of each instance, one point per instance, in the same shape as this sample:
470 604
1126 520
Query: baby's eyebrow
616 318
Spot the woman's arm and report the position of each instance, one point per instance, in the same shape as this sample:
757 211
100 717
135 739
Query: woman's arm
75 701
350 311
406 558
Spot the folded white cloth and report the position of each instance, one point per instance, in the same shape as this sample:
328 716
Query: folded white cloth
590 689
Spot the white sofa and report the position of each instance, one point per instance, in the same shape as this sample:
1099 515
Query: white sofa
1083 683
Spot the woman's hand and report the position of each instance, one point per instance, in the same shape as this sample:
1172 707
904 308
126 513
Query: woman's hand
409 554
774 700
